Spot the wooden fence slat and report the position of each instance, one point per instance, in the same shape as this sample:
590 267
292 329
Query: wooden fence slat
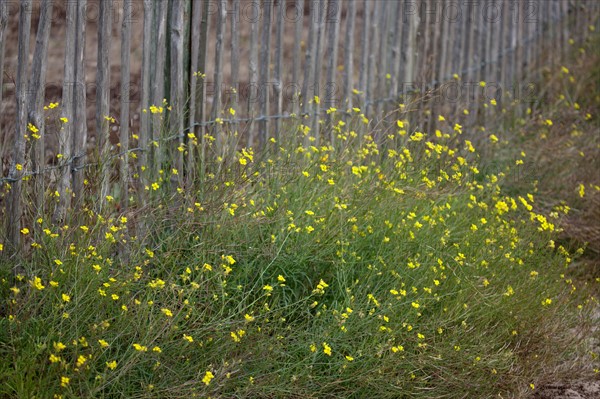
17 166
125 79
309 60
540 47
459 22
235 65
153 51
495 50
442 40
489 32
507 58
218 75
372 73
547 36
165 151
322 11
442 43
426 40
201 91
331 86
494 39
253 77
65 144
3 25
480 66
403 54
296 59
80 132
469 49
536 36
176 116
395 36
519 33
554 20
423 62
35 102
467 64
579 19
218 133
145 124
192 139
349 54
364 61
527 38
564 32
103 96
449 38
454 89
502 51
410 54
565 25
187 57
380 91
434 60
161 9
277 71
585 5
530 28
575 20
265 66
396 56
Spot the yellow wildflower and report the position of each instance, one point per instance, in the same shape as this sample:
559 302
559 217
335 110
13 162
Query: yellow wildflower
208 376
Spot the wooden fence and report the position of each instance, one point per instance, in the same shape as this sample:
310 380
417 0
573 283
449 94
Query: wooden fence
234 71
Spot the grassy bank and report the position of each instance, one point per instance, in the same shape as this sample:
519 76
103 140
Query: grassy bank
313 271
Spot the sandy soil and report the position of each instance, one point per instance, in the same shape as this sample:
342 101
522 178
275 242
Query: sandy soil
574 390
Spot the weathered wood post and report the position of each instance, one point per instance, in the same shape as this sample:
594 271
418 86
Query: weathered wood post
80 133
3 25
278 70
35 103
66 143
235 71
103 97
298 21
330 87
253 91
201 90
17 165
310 65
364 60
265 61
125 81
176 116
218 131
349 56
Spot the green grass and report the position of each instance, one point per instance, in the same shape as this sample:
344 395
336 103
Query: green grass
395 270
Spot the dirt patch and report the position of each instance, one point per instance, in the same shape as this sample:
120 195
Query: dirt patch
574 390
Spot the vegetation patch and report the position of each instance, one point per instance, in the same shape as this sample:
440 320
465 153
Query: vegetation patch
402 268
